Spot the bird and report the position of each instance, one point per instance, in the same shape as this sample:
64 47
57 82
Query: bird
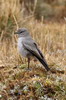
28 47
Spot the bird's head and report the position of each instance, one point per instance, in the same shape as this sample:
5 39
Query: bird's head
22 32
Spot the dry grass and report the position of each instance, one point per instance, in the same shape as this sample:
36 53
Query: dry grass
15 82
51 38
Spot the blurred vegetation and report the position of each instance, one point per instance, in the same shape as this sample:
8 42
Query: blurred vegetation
20 9
46 8
40 9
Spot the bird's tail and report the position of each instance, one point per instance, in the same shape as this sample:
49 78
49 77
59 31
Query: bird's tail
43 62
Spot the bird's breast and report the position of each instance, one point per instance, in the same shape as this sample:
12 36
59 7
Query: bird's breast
21 49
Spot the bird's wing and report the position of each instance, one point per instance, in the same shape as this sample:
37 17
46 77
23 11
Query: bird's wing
38 50
31 45
32 48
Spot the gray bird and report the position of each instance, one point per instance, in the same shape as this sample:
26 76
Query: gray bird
28 47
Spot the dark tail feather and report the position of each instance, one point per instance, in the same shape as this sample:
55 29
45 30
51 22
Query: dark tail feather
43 62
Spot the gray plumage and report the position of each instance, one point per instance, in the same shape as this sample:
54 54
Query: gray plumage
28 47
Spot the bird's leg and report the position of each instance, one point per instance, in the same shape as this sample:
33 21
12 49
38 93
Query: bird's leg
28 62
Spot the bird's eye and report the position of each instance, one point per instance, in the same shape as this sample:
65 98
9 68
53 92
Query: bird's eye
22 31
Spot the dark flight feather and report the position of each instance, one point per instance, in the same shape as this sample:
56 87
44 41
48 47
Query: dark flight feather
37 56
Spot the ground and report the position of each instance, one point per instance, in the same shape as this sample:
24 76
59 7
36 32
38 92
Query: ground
18 83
